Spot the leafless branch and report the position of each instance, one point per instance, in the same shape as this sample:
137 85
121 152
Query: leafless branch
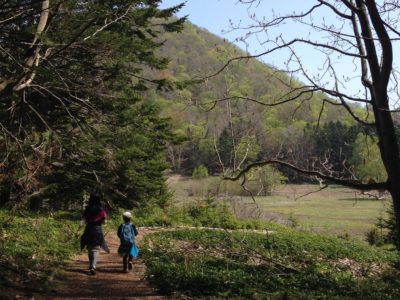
342 181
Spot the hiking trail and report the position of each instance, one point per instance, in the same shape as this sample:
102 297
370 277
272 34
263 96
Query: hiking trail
109 282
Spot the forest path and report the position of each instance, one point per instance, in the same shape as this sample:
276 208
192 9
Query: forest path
109 282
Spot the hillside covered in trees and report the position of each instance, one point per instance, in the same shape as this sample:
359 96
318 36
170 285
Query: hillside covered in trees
222 127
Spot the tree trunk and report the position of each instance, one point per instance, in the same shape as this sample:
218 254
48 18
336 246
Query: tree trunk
390 157
393 169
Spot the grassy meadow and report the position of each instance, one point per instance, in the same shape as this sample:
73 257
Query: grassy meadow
334 210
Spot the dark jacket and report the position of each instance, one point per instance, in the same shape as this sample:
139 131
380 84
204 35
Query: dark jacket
93 234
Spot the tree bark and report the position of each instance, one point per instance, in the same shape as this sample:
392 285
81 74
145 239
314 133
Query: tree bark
390 157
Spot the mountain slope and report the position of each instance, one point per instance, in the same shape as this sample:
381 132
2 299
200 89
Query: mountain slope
218 115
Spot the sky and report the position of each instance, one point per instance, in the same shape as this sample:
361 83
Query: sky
215 14
211 14
218 15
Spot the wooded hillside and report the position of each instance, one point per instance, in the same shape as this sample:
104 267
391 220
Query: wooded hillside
223 128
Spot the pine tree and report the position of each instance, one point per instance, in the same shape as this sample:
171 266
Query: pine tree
71 92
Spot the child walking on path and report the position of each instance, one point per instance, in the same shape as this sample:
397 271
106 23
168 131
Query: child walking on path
126 233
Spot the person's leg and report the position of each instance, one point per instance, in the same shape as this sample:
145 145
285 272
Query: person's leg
125 262
93 254
91 259
130 262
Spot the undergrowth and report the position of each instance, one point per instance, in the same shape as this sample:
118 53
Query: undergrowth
204 213
284 264
32 247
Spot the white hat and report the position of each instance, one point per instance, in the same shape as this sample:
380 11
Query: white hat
127 214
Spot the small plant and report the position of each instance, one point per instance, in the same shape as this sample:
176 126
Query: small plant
208 212
293 221
385 231
374 237
390 225
344 235
200 172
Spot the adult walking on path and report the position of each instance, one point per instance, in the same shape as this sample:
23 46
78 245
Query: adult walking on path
92 238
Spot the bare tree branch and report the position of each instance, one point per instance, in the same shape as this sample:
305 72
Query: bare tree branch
345 182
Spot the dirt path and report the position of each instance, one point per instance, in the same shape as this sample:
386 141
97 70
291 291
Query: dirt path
109 282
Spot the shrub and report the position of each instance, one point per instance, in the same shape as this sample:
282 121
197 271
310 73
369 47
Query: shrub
200 172
390 225
206 211
386 230
293 220
374 237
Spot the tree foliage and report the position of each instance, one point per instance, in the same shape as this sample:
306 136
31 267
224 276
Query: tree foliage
200 172
202 116
366 159
71 111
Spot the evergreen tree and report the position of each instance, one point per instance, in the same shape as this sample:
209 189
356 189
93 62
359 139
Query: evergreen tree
333 145
390 224
225 147
70 94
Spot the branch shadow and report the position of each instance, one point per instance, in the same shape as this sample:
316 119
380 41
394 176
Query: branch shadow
369 199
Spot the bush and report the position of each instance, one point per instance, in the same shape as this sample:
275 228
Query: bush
200 172
209 213
206 212
385 231
269 178
390 224
374 237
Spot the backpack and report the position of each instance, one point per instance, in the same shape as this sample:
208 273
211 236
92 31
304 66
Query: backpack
127 234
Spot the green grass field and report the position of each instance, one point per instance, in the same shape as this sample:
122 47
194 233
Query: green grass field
334 210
